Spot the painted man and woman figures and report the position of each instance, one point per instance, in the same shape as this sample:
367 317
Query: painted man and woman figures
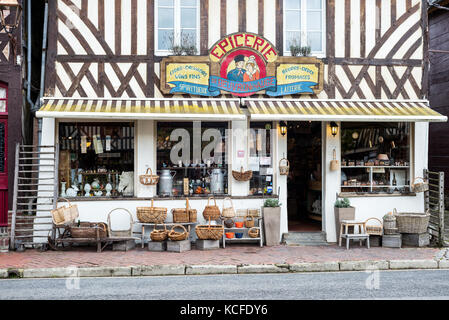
244 71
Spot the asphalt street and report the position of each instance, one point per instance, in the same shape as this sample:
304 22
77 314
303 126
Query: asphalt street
413 284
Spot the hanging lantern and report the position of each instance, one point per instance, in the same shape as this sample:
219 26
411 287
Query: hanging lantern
10 13
334 128
283 127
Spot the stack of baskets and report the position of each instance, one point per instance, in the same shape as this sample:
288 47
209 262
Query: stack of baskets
389 224
209 232
184 215
151 214
159 235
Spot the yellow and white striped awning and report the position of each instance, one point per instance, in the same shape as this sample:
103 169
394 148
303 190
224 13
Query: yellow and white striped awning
341 110
159 109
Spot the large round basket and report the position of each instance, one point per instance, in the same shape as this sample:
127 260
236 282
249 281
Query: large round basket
89 230
211 212
209 232
149 179
242 175
178 236
151 214
159 235
412 222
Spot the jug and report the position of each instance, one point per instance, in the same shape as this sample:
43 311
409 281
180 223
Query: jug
217 181
166 182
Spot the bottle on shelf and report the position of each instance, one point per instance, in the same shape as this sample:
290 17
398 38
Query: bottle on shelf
394 179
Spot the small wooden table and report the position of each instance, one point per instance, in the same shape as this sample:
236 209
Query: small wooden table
362 235
188 224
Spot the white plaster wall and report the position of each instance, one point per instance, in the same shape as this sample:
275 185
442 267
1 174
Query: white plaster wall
280 182
239 143
145 155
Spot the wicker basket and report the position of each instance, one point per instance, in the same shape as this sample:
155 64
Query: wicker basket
89 230
178 236
253 232
412 222
228 212
184 215
255 213
121 233
211 212
375 230
149 179
284 168
151 214
242 175
159 235
209 232
249 222
420 186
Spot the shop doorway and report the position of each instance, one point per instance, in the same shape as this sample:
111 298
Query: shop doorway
304 185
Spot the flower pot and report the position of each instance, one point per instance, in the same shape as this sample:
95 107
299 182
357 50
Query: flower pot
343 214
272 225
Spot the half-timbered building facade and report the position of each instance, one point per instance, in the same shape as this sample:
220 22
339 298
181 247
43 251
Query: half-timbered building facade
112 92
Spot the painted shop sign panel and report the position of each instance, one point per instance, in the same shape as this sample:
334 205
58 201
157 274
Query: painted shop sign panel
242 64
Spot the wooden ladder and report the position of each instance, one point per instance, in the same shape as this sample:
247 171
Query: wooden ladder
35 194
434 202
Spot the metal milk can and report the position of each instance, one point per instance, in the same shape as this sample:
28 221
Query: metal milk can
166 182
217 181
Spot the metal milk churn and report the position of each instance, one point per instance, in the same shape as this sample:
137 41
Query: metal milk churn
217 181
166 182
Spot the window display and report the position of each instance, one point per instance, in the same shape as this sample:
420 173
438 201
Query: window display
260 159
191 158
96 159
375 157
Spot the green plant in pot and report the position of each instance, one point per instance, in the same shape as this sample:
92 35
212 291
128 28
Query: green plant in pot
272 221
343 211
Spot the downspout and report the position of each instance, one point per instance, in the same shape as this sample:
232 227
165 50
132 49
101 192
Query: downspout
29 55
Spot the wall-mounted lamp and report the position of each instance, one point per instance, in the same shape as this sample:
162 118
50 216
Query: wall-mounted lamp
334 128
9 10
283 127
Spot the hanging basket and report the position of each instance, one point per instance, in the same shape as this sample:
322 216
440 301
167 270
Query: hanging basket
151 214
334 162
421 186
211 212
149 179
242 175
209 232
284 168
159 235
178 236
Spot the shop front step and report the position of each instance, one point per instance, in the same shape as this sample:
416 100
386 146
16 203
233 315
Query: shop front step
305 239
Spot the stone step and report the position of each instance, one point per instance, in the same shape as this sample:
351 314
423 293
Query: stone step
305 238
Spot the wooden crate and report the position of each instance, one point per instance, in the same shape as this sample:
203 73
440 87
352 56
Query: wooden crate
392 240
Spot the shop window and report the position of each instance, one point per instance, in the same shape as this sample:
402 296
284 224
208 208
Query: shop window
304 25
260 159
192 158
176 24
3 98
96 159
375 158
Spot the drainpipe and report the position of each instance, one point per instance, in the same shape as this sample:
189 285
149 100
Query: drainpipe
29 55
44 56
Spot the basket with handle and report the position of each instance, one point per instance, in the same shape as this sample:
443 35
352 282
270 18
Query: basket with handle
249 222
412 222
242 175
371 229
124 232
255 213
253 232
211 212
65 214
228 212
184 215
421 186
159 235
334 162
389 223
151 214
178 236
284 168
149 179
209 232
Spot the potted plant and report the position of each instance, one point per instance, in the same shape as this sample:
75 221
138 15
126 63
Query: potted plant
272 221
343 211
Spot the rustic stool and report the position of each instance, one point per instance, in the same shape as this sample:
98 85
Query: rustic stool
362 235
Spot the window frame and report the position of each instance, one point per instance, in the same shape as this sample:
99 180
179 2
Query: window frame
4 86
176 27
303 12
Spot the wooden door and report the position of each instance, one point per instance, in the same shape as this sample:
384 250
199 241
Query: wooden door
3 156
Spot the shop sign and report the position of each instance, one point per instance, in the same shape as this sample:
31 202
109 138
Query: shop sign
242 64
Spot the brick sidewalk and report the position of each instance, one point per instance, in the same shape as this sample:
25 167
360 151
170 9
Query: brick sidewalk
232 255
